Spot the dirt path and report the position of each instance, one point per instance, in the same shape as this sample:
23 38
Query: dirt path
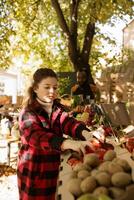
8 178
8 188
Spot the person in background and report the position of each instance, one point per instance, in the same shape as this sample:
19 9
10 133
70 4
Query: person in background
6 124
84 87
42 123
15 128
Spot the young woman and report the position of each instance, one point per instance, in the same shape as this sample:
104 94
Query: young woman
42 123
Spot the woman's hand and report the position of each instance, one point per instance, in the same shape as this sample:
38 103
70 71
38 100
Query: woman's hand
78 146
98 133
87 134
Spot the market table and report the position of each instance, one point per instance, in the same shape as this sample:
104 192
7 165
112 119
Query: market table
6 143
65 171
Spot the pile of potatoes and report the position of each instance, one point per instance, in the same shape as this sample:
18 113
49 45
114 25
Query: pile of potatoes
101 180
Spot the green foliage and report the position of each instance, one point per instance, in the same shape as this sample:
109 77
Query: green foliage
35 30
6 29
64 85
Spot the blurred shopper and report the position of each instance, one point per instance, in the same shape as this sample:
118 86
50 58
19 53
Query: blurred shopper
84 87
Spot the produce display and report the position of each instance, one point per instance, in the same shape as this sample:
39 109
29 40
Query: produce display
93 117
101 179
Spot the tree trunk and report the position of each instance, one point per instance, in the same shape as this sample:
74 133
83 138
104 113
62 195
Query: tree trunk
79 58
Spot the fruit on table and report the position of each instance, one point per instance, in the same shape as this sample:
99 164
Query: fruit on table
104 166
88 184
100 190
91 159
116 192
80 166
74 186
87 197
121 179
114 168
109 155
104 197
103 179
124 164
84 116
83 173
94 172
78 116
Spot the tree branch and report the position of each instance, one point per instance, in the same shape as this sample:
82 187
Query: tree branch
88 39
60 16
62 22
73 16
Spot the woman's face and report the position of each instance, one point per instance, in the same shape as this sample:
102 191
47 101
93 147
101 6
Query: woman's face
46 90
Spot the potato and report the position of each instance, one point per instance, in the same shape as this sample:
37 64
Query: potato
124 164
73 186
100 190
91 159
103 179
114 167
83 174
116 192
88 167
88 184
104 197
121 179
87 196
79 167
94 172
109 155
104 166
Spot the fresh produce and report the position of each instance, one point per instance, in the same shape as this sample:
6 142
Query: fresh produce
109 155
100 190
81 166
114 168
108 179
116 192
87 197
104 166
124 164
91 159
88 184
121 179
74 186
104 197
103 179
83 173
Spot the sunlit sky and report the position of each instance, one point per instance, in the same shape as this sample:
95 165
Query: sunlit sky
116 33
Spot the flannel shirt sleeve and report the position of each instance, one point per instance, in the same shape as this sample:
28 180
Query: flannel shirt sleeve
72 127
37 136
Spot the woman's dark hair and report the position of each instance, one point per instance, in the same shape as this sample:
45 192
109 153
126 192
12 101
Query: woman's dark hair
38 76
43 73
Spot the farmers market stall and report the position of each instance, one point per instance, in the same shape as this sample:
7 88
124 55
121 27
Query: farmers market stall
107 172
68 173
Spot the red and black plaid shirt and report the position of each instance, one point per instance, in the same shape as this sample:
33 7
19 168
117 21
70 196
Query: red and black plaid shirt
39 156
